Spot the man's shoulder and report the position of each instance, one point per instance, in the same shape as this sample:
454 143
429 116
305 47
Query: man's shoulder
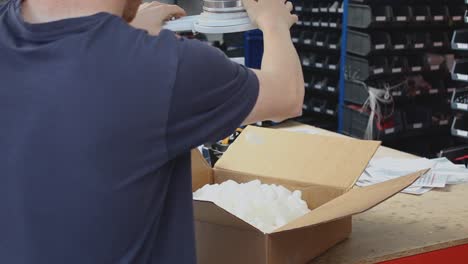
122 44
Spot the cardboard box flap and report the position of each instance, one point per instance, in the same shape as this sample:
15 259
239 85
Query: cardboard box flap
322 160
202 173
209 212
356 201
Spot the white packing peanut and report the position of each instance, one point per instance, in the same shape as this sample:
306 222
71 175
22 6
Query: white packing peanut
266 207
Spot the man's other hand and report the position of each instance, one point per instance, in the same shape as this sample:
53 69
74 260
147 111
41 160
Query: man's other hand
152 16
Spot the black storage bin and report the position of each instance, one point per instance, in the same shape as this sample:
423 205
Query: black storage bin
316 105
334 7
321 39
296 36
398 64
439 13
378 65
299 22
315 21
460 100
332 85
460 70
441 119
363 43
299 6
400 40
415 63
419 40
323 7
452 85
307 7
324 22
334 40
437 85
364 68
435 62
402 14
330 109
308 38
460 39
314 8
365 16
333 62
355 92
355 124
306 20
456 13
309 82
417 118
460 127
421 14
321 61
398 92
417 85
308 60
334 22
439 40
321 83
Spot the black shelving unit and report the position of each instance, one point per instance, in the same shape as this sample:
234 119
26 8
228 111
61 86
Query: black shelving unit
399 51
459 100
317 37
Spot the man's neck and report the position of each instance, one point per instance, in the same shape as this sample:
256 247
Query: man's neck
43 11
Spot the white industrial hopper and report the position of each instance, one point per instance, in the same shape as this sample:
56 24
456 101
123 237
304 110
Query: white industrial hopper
218 16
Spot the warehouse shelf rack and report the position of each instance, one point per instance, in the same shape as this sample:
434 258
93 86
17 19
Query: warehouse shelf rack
400 125
377 66
378 15
459 71
397 57
357 92
375 49
318 36
396 42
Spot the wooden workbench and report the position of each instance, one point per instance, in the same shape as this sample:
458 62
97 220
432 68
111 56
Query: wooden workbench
404 225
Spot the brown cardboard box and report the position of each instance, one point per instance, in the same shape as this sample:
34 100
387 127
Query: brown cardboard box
323 168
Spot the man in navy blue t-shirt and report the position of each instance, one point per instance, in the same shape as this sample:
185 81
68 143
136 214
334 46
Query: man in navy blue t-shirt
98 117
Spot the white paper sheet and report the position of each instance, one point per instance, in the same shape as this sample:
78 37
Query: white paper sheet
416 190
432 180
442 172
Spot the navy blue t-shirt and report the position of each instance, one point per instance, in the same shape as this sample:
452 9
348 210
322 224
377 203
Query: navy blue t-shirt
97 120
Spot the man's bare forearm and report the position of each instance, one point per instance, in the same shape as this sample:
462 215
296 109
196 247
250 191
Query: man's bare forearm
281 92
282 62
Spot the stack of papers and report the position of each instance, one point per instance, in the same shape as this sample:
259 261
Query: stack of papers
442 173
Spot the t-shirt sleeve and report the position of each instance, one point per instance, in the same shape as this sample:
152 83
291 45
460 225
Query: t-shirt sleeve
211 97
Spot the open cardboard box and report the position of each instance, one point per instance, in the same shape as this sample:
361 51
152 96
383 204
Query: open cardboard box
324 168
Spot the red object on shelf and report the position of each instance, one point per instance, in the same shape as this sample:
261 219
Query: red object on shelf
462 158
452 255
